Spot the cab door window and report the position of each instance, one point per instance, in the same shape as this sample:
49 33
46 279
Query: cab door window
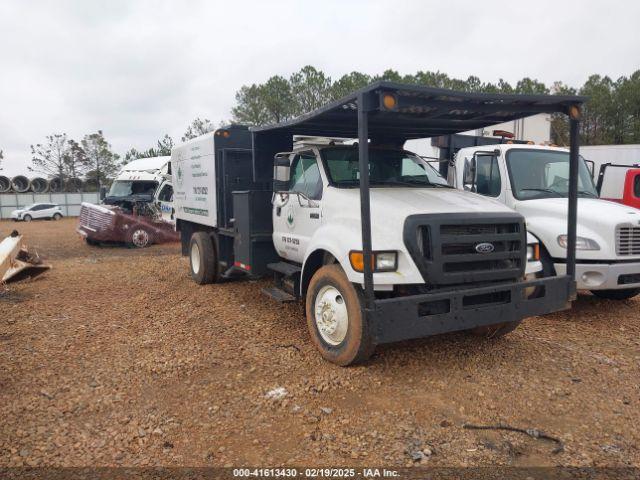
488 180
166 194
305 176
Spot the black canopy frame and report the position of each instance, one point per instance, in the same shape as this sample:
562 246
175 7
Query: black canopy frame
392 113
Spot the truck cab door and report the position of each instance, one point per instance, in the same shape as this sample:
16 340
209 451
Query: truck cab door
164 200
297 212
483 175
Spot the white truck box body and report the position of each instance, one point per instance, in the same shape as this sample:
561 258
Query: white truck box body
194 181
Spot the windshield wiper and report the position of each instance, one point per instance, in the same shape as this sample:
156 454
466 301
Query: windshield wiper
586 192
411 183
546 190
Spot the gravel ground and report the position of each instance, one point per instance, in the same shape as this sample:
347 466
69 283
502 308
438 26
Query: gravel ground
115 357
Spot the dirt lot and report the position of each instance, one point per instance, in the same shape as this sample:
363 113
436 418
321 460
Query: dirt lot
115 357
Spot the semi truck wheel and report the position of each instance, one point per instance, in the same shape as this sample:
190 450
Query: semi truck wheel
140 237
496 330
203 259
622 294
334 317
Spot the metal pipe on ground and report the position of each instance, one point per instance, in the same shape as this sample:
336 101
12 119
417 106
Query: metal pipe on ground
5 184
56 185
39 185
20 184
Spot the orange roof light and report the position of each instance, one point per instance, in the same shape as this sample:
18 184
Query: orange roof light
389 101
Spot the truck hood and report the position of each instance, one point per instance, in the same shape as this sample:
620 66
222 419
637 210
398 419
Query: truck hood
398 202
597 219
592 212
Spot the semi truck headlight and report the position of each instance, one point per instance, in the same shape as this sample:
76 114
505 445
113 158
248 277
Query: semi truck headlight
381 261
533 252
582 243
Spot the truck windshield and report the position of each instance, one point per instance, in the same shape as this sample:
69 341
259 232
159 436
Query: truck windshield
125 188
545 173
387 167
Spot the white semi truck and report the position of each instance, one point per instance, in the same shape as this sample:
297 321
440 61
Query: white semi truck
534 181
368 235
144 179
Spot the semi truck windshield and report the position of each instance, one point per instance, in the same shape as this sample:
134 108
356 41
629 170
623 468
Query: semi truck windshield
387 167
125 188
543 173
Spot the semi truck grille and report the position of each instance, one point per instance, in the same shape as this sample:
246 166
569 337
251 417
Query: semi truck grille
460 248
627 240
94 218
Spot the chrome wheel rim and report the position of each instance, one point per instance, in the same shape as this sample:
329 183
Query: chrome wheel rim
195 258
331 316
140 238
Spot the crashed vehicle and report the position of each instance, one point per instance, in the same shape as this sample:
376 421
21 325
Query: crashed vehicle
136 222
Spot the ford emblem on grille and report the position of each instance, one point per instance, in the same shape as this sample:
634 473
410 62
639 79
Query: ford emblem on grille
485 247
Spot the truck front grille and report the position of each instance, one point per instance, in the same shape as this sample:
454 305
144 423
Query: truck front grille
95 219
463 248
627 239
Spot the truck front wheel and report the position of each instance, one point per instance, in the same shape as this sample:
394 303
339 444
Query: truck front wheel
202 259
622 294
335 319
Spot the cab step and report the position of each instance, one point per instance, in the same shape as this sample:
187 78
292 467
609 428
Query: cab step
285 268
279 295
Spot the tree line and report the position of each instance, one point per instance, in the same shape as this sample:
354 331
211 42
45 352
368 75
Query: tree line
610 116
93 158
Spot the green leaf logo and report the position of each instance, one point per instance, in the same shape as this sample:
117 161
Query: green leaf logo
290 219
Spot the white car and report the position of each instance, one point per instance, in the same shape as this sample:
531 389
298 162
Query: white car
49 211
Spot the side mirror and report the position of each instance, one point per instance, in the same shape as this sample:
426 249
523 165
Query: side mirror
469 172
281 172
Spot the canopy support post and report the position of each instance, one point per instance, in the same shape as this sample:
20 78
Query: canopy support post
365 205
572 217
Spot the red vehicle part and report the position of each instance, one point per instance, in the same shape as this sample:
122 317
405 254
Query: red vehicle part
111 224
631 190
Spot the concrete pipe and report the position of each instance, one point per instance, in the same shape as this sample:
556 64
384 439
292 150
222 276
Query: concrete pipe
55 185
91 185
20 184
39 185
74 184
5 184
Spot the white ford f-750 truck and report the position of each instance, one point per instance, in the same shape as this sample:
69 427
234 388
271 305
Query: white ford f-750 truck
534 181
368 235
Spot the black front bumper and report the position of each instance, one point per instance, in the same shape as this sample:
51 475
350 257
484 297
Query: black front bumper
416 316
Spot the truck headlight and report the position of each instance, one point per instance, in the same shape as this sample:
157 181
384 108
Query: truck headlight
381 261
582 243
533 252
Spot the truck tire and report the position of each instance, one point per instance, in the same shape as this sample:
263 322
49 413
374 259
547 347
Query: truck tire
496 330
621 294
335 320
139 237
203 260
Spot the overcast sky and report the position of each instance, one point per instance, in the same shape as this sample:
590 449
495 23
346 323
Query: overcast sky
140 69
